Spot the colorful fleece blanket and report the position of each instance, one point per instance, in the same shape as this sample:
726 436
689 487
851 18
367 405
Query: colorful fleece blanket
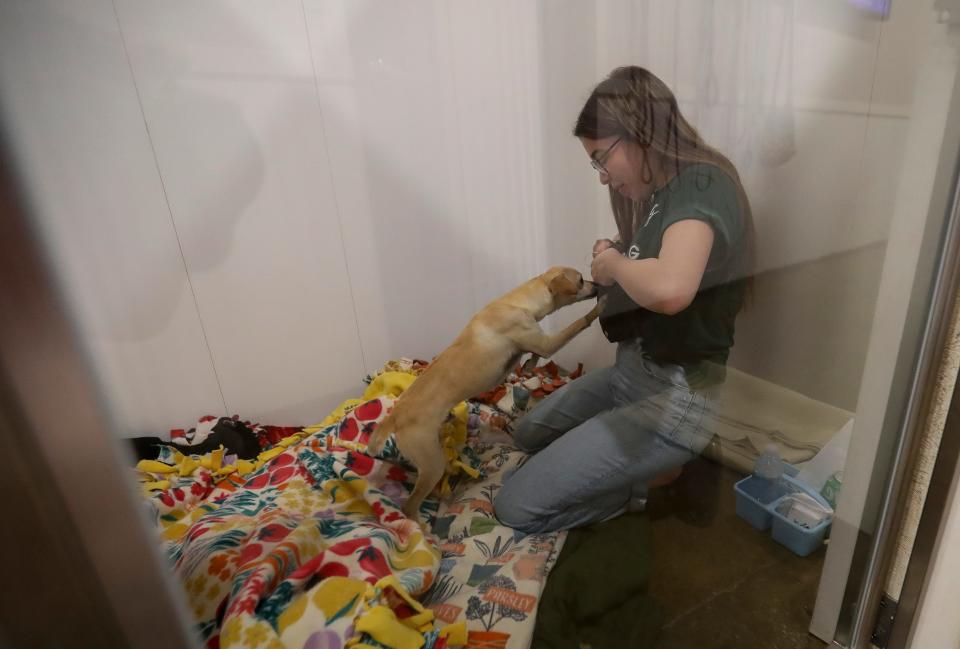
490 575
306 547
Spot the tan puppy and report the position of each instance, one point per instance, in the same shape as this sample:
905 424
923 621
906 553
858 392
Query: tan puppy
479 359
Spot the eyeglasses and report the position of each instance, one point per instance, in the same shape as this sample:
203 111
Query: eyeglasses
597 163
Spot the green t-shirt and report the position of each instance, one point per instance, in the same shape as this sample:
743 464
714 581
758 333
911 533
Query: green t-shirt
704 330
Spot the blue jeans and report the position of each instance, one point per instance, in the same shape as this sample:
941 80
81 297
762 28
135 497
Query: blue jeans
599 440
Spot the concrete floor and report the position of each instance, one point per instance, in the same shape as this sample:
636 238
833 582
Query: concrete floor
723 584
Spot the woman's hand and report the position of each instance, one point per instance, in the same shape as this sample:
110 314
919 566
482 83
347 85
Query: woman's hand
601 245
605 264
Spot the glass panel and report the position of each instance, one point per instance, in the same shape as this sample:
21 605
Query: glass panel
267 219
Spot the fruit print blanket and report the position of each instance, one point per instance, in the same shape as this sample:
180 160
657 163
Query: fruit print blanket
306 547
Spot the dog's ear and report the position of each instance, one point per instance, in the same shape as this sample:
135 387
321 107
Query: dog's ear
561 283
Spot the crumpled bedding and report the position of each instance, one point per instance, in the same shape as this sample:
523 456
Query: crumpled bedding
305 546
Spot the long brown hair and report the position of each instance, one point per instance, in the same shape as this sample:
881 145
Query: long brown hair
634 104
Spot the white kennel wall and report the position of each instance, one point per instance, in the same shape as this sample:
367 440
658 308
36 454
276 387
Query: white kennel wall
252 204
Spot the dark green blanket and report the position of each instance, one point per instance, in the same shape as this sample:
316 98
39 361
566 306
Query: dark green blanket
597 592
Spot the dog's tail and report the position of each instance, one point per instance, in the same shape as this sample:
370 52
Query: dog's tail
380 434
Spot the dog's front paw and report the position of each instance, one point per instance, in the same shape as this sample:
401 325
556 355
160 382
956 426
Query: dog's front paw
597 309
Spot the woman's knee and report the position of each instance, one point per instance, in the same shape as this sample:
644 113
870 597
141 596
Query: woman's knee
529 433
524 434
508 507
